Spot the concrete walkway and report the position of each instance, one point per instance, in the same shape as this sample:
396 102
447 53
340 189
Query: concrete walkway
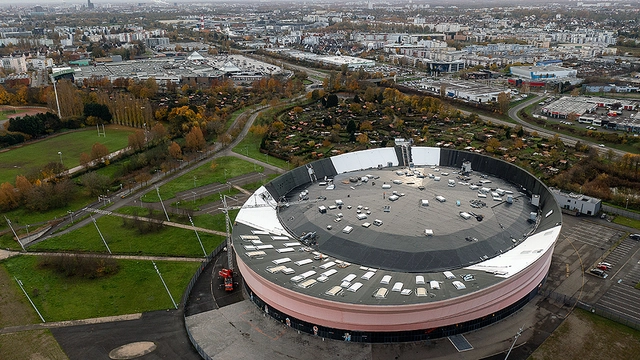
96 255
241 331
59 324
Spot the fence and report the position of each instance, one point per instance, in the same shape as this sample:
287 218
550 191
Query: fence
607 314
621 212
187 292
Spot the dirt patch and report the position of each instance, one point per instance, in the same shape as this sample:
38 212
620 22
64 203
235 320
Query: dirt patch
132 351
14 308
22 111
32 345
583 336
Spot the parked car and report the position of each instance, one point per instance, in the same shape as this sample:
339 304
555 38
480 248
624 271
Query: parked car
605 264
635 236
603 267
599 273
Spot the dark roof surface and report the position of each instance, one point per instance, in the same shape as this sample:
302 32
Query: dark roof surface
400 243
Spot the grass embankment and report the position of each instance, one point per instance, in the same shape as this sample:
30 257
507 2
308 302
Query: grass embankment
167 241
33 156
15 310
621 220
135 288
250 146
584 336
207 221
226 168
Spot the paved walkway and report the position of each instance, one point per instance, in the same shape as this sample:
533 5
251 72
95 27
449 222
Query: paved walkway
241 331
95 255
59 324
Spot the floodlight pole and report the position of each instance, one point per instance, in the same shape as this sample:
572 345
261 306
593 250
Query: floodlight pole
99 232
165 284
55 90
514 341
162 203
28 298
14 233
198 236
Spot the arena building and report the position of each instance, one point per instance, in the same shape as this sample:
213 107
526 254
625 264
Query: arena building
396 244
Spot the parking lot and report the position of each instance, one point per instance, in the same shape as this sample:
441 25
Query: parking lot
583 244
622 298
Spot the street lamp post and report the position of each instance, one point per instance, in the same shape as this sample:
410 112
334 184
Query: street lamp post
60 153
194 182
627 206
70 214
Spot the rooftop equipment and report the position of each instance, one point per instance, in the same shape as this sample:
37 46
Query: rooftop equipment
381 293
459 285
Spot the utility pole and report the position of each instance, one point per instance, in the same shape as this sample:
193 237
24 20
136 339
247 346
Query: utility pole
227 223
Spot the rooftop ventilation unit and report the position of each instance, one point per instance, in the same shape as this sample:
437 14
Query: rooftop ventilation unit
466 167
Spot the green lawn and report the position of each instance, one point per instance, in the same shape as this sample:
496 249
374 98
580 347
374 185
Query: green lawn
250 146
135 288
168 241
214 222
207 221
22 160
227 167
234 116
621 220
256 185
188 204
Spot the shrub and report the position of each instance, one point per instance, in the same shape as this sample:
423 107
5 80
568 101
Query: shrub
88 267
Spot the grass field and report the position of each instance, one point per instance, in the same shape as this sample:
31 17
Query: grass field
250 146
135 288
227 168
168 241
33 156
207 221
621 220
584 336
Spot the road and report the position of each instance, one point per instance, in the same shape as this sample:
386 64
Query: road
566 139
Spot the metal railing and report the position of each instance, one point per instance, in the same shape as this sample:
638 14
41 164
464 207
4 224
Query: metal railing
187 292
605 313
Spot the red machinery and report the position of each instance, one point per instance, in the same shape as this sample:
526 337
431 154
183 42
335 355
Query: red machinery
227 275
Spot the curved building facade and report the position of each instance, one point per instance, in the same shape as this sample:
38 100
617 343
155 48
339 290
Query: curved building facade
396 244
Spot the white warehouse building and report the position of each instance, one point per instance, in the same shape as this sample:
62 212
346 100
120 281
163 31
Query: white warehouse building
578 203
543 72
